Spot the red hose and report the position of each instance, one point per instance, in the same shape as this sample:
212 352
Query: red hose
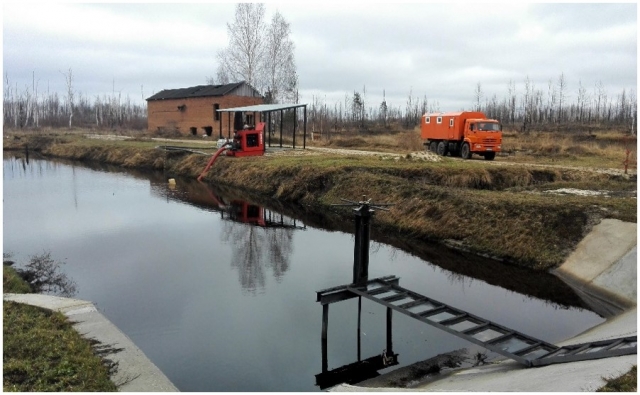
213 159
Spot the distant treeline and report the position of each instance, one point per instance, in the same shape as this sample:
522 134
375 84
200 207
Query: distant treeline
529 109
31 108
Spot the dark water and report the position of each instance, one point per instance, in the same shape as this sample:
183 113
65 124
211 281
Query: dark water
219 304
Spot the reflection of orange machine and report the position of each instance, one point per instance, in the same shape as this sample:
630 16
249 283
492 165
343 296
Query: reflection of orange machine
247 213
246 142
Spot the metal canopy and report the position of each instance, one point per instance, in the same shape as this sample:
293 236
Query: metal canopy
268 109
262 108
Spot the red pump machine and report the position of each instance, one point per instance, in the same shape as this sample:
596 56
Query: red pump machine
246 142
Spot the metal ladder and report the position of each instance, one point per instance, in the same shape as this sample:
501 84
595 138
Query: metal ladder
497 338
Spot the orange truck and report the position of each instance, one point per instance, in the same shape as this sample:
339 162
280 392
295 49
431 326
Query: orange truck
461 134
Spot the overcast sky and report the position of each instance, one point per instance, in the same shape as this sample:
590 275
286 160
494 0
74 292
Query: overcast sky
433 50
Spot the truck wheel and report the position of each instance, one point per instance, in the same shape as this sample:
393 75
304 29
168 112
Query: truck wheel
442 148
489 155
465 151
433 146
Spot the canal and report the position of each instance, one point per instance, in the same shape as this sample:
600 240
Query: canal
220 293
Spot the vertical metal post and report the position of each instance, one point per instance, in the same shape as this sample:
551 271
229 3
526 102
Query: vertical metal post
389 335
361 248
359 319
229 127
269 126
295 123
281 121
325 325
304 139
220 122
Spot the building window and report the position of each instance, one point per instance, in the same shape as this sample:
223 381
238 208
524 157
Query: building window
439 120
451 123
427 119
194 130
208 130
216 114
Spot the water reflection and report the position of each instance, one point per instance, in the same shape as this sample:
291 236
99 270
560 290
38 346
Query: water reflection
260 238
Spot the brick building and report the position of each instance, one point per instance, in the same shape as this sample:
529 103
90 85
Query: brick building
193 110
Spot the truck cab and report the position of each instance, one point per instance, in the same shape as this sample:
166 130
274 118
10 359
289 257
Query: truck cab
483 136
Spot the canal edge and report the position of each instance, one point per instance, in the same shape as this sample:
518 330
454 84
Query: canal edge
136 372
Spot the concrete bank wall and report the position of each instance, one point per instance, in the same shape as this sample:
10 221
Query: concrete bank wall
136 373
603 267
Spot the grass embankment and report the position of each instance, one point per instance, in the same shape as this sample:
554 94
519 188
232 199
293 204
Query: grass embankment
41 350
479 206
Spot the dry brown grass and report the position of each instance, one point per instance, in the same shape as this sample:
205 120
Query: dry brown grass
403 141
604 149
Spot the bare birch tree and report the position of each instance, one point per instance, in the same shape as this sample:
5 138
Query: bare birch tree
244 57
259 53
68 77
477 94
279 58
562 89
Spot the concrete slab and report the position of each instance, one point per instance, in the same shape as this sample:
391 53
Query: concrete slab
603 268
136 373
621 276
608 242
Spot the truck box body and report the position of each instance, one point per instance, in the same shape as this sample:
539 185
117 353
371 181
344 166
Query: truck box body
461 134
446 126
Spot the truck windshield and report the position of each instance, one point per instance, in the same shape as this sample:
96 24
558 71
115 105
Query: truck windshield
489 126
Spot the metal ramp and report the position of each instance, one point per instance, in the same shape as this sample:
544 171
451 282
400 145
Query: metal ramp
497 338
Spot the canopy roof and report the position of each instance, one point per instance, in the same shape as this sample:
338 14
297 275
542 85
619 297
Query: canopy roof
262 108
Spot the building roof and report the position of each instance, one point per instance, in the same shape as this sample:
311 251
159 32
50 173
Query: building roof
262 108
196 91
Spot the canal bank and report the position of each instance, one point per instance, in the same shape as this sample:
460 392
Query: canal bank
603 269
135 373
505 213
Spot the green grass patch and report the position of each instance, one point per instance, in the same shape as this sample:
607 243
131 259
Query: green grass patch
13 283
43 353
627 382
